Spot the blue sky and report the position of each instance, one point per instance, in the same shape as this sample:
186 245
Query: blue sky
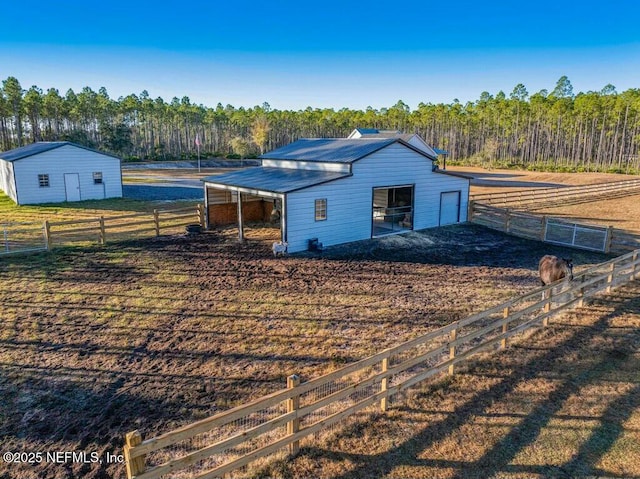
320 54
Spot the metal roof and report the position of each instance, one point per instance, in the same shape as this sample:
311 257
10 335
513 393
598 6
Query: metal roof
367 131
41 147
440 152
329 150
388 134
275 180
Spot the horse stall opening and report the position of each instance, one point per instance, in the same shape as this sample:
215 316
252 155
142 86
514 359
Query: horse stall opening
392 210
222 209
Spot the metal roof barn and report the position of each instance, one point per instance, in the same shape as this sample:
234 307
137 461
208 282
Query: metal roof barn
339 190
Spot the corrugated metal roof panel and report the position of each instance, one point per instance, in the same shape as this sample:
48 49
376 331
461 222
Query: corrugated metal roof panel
30 150
329 150
41 147
275 180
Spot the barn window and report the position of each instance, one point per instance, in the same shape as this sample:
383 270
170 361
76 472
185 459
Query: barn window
321 209
43 180
97 177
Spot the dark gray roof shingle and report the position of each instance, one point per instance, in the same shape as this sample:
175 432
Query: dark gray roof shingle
275 180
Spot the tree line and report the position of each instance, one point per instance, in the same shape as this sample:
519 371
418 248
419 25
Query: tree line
554 129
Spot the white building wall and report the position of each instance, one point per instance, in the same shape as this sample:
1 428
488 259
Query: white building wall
349 200
7 183
67 159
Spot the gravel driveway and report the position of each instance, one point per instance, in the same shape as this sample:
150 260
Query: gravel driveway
162 192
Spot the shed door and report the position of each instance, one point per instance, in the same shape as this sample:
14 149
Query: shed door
72 186
449 208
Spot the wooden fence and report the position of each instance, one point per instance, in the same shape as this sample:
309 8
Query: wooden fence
543 228
544 197
279 422
100 230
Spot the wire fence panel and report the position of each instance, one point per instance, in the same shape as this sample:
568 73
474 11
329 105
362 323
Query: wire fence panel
22 238
576 235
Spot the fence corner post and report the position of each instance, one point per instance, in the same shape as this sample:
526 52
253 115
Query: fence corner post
452 351
134 465
293 404
384 385
47 234
156 221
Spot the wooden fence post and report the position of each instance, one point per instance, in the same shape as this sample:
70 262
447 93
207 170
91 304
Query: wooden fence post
581 294
135 466
472 203
293 404
505 328
103 232
635 266
201 215
507 220
452 350
156 221
384 402
608 240
612 269
47 234
547 306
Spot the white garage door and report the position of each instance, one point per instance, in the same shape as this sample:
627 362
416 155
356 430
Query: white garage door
449 208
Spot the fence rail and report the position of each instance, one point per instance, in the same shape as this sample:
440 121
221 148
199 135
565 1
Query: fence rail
277 423
43 236
553 230
544 197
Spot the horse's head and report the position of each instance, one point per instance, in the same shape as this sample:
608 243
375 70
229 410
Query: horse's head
568 265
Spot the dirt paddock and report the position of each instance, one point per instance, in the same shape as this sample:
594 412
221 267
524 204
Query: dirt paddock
154 334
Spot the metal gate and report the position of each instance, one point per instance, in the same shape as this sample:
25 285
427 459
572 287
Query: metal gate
582 236
22 237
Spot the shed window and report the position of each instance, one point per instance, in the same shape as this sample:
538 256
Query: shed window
43 180
321 209
97 177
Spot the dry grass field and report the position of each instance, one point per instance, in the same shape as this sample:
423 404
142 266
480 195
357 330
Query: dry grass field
623 213
494 181
154 334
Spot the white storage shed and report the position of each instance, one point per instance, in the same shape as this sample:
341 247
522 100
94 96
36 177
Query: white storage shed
58 171
340 190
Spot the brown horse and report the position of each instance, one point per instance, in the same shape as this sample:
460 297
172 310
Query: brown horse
552 269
